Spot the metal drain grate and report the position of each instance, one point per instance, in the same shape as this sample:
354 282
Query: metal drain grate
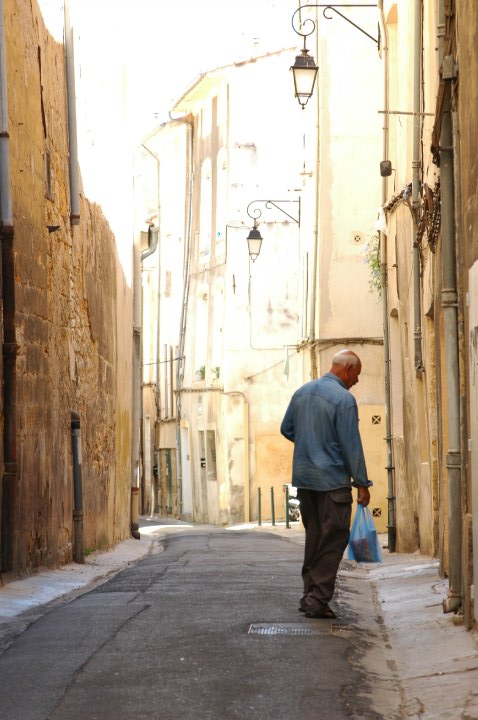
287 629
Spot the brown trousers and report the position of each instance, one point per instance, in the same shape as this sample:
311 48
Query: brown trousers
326 519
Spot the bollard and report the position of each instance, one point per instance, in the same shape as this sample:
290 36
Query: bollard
287 523
273 515
259 521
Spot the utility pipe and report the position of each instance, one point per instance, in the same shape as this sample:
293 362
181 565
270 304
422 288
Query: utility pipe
78 549
153 240
450 315
9 479
143 255
315 234
416 167
391 521
246 464
137 401
5 191
72 128
153 245
136 392
153 232
461 351
182 323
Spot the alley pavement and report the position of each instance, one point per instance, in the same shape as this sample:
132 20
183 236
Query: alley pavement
418 662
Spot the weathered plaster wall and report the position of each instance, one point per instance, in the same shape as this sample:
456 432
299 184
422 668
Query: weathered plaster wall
466 23
416 394
66 288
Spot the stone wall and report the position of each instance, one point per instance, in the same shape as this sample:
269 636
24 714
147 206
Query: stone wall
67 280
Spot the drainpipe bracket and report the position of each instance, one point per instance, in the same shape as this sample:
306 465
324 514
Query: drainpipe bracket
449 297
452 603
10 348
453 459
6 232
449 68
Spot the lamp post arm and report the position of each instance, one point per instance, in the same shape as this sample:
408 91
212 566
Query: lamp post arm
326 7
256 213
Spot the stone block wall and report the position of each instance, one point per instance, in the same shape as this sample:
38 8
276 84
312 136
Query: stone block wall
66 283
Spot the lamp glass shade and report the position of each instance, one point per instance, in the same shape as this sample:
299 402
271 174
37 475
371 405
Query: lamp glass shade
254 242
304 71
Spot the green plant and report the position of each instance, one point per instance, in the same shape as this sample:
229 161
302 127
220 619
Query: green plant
372 259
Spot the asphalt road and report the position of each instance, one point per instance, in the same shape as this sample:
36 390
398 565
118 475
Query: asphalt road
205 627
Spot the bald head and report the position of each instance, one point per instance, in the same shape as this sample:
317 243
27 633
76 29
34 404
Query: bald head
347 366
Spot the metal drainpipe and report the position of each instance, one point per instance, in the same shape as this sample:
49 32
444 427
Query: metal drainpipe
156 461
314 365
416 167
136 394
153 244
450 314
158 204
78 549
72 129
184 305
137 402
391 522
10 348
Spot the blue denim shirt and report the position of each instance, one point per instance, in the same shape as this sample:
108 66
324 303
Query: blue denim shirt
322 422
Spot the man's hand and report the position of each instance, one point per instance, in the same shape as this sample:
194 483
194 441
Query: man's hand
363 497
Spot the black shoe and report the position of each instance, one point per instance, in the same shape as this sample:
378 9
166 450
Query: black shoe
318 610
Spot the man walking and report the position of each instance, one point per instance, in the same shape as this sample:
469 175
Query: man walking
322 422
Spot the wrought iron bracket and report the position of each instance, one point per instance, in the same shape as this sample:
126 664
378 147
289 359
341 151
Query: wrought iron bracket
256 213
326 7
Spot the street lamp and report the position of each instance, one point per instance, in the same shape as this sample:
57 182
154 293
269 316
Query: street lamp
254 239
304 69
254 242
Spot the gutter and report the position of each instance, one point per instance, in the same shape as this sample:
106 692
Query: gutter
391 520
72 128
416 167
450 315
184 305
9 344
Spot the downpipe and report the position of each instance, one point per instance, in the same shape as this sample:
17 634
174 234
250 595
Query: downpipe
391 517
184 306
450 315
78 544
416 167
72 124
9 344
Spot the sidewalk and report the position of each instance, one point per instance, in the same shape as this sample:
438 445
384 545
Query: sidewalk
431 664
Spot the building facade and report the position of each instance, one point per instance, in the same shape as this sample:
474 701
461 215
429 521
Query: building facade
237 336
428 261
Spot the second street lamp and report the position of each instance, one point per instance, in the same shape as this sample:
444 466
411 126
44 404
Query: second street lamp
254 239
254 242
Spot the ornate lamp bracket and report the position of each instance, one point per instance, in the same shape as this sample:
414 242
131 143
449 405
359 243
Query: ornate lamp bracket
256 213
333 8
254 239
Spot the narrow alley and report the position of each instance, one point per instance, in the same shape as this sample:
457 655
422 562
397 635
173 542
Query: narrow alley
206 625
